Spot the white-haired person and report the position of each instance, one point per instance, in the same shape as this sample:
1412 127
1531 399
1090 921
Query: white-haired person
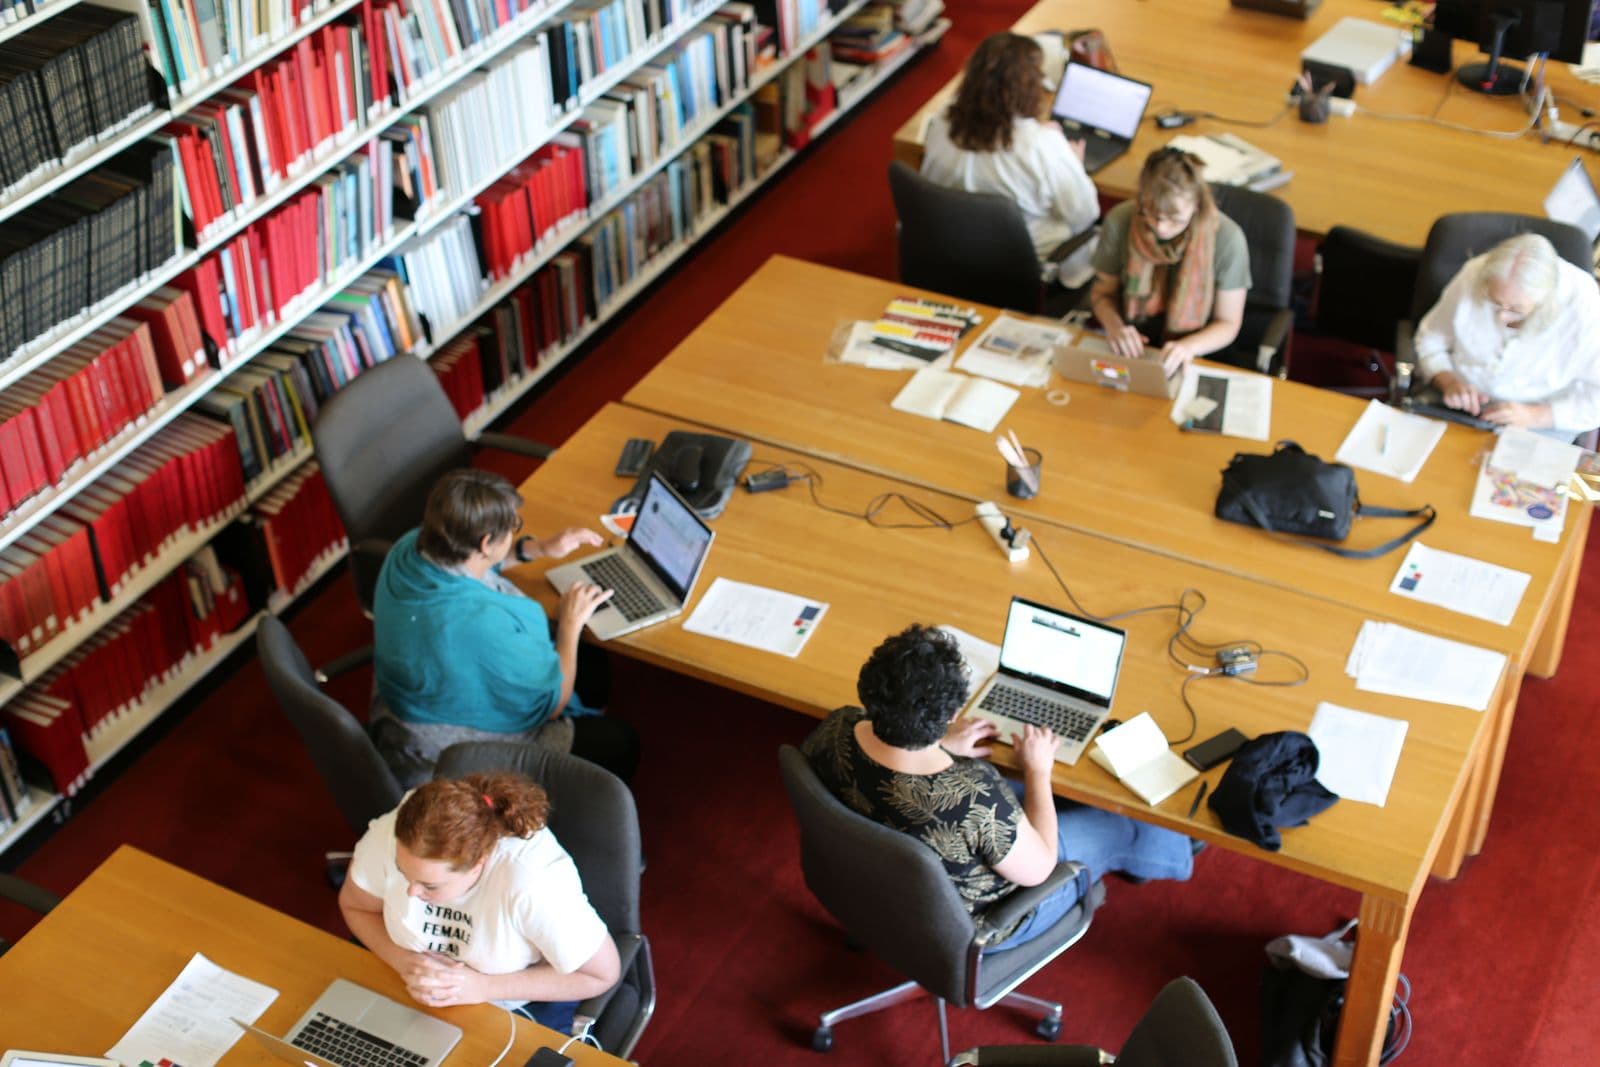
1515 339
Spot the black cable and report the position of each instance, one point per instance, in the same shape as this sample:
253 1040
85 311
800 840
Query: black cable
1086 613
872 513
1254 124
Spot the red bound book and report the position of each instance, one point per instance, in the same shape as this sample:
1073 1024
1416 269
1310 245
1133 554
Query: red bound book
260 83
48 397
19 624
309 71
143 362
165 491
292 95
131 529
104 542
377 51
44 545
203 288
21 458
197 178
258 296
6 503
83 590
49 729
168 610
126 395
37 600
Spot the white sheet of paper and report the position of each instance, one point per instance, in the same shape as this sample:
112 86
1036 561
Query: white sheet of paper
1357 751
1246 402
1392 659
1015 351
1534 457
1460 583
1390 441
983 657
753 615
191 1022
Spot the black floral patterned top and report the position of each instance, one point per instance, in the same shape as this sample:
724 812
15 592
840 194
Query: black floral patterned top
966 813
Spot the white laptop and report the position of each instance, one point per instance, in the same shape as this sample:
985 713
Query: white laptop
1057 670
652 573
349 1026
1104 109
1573 200
1089 359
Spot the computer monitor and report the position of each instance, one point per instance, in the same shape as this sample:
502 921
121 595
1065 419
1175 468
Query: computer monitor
1513 27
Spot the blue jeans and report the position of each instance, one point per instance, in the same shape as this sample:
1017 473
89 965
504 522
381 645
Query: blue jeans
557 1014
1103 842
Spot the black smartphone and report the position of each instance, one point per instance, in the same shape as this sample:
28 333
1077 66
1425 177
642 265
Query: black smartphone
548 1057
1214 750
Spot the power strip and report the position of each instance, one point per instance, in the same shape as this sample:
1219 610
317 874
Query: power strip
1564 132
990 518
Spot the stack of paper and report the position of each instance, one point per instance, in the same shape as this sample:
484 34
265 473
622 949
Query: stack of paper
1137 755
911 332
1357 752
1015 351
1524 482
1460 583
1230 159
1392 659
1390 441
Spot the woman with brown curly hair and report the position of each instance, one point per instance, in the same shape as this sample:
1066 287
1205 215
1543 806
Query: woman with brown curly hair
990 140
463 891
1171 269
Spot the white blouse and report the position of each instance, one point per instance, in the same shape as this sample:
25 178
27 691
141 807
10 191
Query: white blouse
1559 365
1039 171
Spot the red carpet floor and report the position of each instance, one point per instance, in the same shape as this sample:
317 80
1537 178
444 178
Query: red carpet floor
1505 959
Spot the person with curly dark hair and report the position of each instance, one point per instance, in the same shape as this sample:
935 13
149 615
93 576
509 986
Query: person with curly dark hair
467 895
900 760
991 140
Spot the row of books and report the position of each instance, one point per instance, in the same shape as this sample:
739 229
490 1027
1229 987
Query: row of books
796 102
73 80
871 35
290 530
184 478
101 232
199 40
268 271
537 199
247 141
108 678
794 20
16 800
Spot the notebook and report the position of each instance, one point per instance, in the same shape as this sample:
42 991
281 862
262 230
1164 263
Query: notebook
652 573
349 1026
1104 109
1057 670
1090 359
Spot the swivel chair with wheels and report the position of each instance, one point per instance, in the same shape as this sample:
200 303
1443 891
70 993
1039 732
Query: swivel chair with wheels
361 783
891 893
382 441
1364 291
1180 1029
976 246
592 814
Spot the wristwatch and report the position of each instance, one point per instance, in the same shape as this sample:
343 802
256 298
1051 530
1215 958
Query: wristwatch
520 549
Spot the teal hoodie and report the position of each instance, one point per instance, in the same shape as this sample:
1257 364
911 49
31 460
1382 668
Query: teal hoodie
448 649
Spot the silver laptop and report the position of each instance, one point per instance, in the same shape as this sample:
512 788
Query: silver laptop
1056 670
652 573
1104 109
1090 359
349 1026
1574 200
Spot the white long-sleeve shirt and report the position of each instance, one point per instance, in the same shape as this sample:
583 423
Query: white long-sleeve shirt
1559 365
1039 171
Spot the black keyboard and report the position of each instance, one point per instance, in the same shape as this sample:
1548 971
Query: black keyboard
341 1043
629 595
1448 414
1070 724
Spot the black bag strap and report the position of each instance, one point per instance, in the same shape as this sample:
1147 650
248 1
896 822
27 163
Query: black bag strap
1426 511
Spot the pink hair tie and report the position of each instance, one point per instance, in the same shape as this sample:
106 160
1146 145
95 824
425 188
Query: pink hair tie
487 802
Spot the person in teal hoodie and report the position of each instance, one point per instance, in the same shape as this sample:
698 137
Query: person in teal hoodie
460 654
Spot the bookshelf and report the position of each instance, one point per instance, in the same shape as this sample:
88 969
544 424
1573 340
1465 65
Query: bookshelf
452 202
23 25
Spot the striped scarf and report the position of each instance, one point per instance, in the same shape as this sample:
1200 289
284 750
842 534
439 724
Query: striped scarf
1175 275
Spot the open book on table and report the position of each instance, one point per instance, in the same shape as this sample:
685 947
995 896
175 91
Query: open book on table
1137 755
941 394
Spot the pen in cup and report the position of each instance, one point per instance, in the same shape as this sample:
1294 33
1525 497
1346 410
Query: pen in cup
1200 794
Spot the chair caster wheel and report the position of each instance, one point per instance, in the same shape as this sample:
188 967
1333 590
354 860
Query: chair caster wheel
1049 1027
822 1039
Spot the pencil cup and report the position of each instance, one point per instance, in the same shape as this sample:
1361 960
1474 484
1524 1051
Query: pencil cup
1023 482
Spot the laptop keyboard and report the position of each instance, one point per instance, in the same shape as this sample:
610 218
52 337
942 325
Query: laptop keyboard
341 1043
1069 723
629 595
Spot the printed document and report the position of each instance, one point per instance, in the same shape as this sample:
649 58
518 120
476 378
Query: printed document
1523 482
940 394
1390 441
1392 659
1357 752
1234 403
191 1022
1137 755
1460 583
1015 351
756 616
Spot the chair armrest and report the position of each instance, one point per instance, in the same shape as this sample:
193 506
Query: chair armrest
1033 1056
33 897
1405 360
1072 244
1273 340
521 445
588 1012
1006 913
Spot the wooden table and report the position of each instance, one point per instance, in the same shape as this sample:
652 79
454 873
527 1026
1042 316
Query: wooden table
81 977
1392 178
1114 465
877 581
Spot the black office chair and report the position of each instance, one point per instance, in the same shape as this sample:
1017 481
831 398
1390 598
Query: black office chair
1364 291
344 755
975 246
1454 239
1180 1029
891 893
382 441
592 814
1268 225
20 891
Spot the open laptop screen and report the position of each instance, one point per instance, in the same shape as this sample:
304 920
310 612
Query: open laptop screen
1573 200
1093 97
669 536
1058 649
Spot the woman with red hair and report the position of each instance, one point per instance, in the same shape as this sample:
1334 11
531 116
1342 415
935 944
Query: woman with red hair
466 894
